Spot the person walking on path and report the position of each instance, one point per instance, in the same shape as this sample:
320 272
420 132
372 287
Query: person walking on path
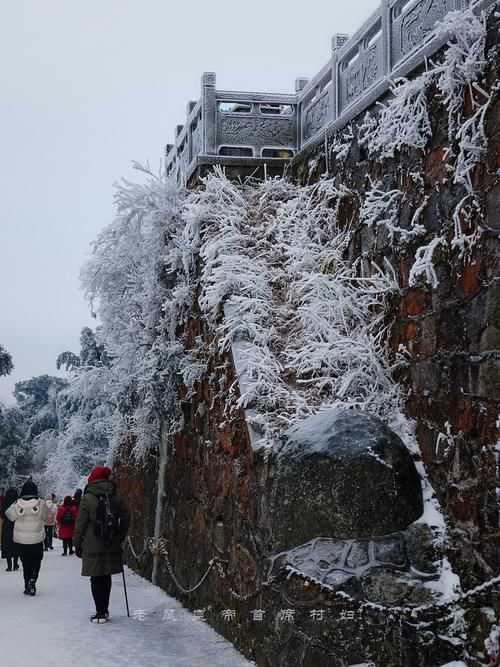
77 497
9 550
29 513
50 521
66 520
100 547
2 498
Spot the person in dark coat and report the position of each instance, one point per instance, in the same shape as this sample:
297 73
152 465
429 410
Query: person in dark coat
77 497
66 520
100 560
9 550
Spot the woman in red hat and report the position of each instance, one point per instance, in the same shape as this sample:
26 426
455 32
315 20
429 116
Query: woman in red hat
98 541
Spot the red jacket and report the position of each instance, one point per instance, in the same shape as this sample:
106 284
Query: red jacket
66 532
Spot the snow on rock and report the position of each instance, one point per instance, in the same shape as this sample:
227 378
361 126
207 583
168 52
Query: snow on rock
492 643
344 474
448 584
53 628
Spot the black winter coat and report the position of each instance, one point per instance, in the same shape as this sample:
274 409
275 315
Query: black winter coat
98 559
8 545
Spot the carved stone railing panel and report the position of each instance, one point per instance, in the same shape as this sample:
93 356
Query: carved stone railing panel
357 77
316 103
317 115
256 131
254 122
412 22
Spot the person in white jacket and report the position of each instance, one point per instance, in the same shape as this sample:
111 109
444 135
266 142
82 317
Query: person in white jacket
50 521
29 513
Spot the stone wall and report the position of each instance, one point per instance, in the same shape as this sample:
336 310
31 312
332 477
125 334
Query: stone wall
451 333
216 502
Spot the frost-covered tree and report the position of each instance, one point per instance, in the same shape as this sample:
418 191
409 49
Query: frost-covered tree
15 457
37 401
92 353
6 364
79 440
139 278
37 404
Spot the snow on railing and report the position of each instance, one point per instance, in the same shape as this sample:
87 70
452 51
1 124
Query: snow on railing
228 127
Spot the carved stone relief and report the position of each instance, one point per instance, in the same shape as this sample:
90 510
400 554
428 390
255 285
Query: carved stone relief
361 75
419 21
316 116
338 40
208 79
255 131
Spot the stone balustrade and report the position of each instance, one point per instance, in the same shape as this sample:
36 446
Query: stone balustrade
232 127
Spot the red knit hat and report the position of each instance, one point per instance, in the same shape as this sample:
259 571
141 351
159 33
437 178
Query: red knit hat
99 472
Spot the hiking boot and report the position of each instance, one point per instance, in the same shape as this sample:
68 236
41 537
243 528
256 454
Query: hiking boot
32 587
64 554
71 553
9 569
98 618
16 567
106 614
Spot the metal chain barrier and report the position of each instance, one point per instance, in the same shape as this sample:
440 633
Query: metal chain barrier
412 611
140 556
160 548
247 596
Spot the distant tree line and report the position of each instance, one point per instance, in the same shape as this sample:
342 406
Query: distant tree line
48 433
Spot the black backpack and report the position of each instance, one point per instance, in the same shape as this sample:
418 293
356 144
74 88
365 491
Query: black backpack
67 518
107 520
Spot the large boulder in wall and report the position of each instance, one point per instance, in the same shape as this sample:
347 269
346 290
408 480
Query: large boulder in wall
341 474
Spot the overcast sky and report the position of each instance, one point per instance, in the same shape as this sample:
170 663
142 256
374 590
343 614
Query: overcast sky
87 86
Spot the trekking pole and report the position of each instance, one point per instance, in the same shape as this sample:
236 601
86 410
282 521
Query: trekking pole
125 589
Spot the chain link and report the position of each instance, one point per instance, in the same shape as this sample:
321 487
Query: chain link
140 556
239 596
161 547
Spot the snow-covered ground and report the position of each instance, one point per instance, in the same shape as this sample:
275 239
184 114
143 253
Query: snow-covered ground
53 628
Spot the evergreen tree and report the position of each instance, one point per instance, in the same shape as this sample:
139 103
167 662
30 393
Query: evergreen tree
15 457
79 439
6 364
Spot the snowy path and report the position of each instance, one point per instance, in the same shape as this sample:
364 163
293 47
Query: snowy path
53 629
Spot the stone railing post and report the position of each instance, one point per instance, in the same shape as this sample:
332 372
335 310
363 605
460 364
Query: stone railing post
386 37
338 40
168 148
209 112
190 106
300 84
